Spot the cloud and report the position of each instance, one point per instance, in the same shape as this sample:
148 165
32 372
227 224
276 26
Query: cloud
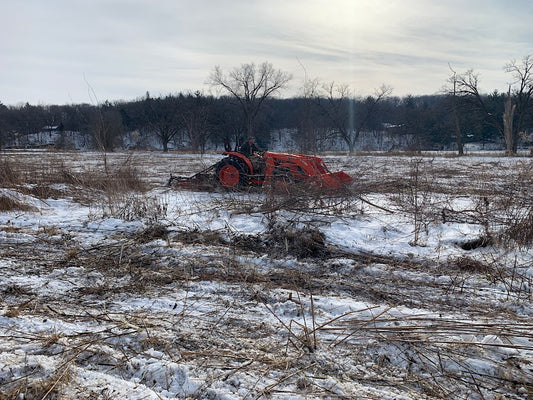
125 48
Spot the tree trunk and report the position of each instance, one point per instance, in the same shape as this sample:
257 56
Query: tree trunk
351 147
458 133
508 134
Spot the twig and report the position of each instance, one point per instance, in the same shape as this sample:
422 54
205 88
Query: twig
269 388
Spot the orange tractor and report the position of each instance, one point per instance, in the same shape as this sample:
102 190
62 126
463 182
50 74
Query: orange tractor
237 171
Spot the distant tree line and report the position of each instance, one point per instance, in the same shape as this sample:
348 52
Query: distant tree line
196 121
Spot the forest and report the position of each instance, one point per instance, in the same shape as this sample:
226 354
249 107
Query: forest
196 121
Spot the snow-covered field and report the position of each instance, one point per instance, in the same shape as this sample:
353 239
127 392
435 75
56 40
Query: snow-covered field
416 285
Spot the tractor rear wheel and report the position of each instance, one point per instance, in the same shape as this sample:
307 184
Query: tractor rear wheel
231 174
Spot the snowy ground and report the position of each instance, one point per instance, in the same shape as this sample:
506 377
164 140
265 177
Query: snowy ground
418 284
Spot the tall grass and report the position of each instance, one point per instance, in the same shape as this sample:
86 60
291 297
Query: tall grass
52 177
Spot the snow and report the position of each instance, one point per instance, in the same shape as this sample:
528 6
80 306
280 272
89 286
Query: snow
94 308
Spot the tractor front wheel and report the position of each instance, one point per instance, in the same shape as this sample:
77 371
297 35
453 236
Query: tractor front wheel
230 174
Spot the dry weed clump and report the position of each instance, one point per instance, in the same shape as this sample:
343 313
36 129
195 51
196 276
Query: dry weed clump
107 179
15 200
415 197
152 232
500 202
127 265
469 264
8 175
120 193
197 236
44 192
476 243
510 208
8 203
38 177
131 206
286 239
520 229
15 290
38 384
123 179
112 189
511 276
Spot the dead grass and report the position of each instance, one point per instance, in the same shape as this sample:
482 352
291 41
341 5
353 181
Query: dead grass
38 383
279 240
39 177
286 239
10 228
44 191
520 229
9 204
8 175
198 236
131 206
469 264
112 188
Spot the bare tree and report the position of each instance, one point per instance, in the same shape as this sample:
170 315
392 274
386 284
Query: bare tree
251 85
522 74
468 86
105 125
195 117
162 115
452 80
3 125
309 129
508 119
517 105
346 118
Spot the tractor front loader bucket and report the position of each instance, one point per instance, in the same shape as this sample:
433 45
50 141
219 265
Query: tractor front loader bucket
336 180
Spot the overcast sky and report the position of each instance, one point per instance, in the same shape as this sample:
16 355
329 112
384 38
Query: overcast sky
71 51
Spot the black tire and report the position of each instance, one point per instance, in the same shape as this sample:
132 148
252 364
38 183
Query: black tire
230 174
